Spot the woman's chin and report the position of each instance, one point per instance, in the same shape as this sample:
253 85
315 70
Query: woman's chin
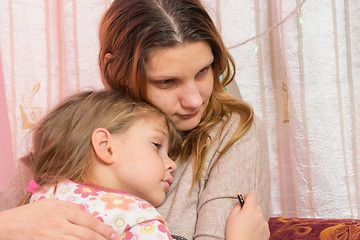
187 125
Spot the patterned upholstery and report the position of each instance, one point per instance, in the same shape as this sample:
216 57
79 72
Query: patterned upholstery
311 228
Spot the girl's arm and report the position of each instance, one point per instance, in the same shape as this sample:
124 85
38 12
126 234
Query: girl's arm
52 219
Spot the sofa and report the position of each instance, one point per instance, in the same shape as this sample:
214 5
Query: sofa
314 228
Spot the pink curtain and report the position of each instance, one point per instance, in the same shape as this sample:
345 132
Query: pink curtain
297 62
6 160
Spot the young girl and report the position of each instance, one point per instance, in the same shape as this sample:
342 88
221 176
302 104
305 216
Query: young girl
109 153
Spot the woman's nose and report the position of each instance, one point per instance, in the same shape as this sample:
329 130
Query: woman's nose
190 96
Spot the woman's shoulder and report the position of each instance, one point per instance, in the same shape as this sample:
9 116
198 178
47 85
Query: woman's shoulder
244 154
257 131
251 145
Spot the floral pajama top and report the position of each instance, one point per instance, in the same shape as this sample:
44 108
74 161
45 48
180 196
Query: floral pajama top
131 217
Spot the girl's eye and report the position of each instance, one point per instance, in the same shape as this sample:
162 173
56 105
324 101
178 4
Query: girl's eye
157 145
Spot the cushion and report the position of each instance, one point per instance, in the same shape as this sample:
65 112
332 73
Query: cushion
314 228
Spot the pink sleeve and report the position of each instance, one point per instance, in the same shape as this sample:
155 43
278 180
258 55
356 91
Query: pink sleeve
16 191
151 229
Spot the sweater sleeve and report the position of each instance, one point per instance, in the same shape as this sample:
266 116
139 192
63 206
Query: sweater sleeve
17 189
245 168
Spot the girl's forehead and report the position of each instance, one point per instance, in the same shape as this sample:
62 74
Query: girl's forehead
155 124
155 119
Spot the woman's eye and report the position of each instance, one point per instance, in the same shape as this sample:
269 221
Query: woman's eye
204 70
165 83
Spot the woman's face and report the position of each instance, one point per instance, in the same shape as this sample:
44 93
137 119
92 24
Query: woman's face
180 82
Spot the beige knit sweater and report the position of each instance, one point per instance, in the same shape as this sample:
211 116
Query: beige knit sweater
201 213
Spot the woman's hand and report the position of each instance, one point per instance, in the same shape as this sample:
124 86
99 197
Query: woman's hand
52 219
247 223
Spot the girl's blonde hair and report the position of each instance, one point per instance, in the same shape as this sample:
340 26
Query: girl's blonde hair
130 30
61 146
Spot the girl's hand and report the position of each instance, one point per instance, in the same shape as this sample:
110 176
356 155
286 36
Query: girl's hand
247 223
52 219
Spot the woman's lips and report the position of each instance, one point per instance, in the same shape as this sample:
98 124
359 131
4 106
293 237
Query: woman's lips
189 115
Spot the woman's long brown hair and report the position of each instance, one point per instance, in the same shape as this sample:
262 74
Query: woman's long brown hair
130 30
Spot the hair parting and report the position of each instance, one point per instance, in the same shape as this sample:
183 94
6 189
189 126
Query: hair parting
130 30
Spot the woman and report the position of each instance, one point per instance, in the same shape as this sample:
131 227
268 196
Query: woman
169 53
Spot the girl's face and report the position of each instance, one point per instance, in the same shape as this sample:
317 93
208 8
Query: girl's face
180 82
142 166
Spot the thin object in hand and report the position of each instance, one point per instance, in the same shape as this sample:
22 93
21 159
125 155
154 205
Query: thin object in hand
241 199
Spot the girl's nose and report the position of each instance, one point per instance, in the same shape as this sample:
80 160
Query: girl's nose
170 165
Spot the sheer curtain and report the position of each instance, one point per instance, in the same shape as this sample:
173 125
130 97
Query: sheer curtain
298 64
7 163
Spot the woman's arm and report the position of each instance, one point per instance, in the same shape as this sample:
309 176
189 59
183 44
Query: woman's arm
245 168
12 196
247 223
52 219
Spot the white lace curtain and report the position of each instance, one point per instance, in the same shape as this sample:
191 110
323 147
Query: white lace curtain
298 64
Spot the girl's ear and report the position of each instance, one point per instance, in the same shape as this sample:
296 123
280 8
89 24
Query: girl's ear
101 142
